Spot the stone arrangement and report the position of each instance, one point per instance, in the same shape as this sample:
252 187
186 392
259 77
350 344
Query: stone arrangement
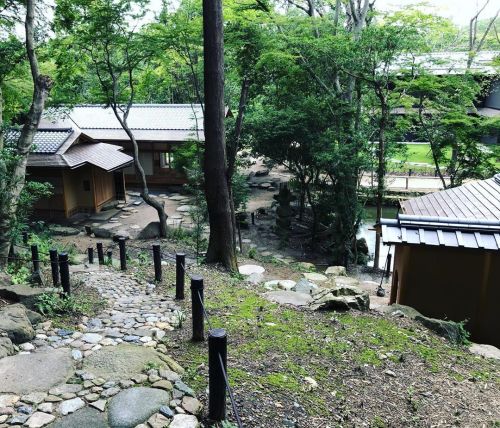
111 371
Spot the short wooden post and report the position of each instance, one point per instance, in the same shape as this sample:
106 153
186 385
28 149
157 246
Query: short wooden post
157 261
88 230
90 252
25 238
197 308
35 258
253 218
54 266
123 253
217 363
100 253
64 271
110 257
180 271
407 182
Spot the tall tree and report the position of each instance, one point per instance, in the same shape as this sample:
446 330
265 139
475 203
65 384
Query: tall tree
12 180
221 247
102 30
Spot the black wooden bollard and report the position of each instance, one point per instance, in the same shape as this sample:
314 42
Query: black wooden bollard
180 271
157 261
409 172
88 230
25 238
389 261
123 253
64 271
253 218
54 266
100 253
90 252
217 351
197 308
110 257
35 258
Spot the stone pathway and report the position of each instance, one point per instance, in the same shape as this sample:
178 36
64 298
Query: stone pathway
112 371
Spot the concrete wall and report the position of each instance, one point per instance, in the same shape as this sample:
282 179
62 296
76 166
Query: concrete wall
451 283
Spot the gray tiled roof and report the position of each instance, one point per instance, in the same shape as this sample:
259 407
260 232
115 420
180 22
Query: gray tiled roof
142 116
102 155
45 141
149 122
467 216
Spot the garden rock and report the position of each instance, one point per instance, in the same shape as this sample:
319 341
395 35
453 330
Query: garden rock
70 406
185 208
15 322
487 351
40 371
288 298
121 234
248 270
106 230
6 347
305 286
341 298
5 280
336 271
64 230
39 419
448 329
22 293
184 421
134 406
83 418
120 362
151 231
315 277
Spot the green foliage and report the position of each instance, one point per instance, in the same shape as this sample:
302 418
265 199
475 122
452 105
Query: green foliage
19 274
52 304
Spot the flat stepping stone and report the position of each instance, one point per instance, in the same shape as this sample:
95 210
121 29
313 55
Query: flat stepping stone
178 198
120 362
288 298
185 208
40 371
135 405
315 277
250 269
86 417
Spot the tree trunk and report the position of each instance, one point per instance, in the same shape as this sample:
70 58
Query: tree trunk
41 89
232 149
384 112
221 248
157 205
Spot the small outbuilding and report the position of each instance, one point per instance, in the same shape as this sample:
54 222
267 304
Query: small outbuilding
447 256
85 174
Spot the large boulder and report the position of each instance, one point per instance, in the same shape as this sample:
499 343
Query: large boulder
6 347
22 293
341 298
35 372
15 322
151 231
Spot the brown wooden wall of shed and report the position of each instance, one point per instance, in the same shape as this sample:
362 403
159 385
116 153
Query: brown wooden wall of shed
52 206
451 283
